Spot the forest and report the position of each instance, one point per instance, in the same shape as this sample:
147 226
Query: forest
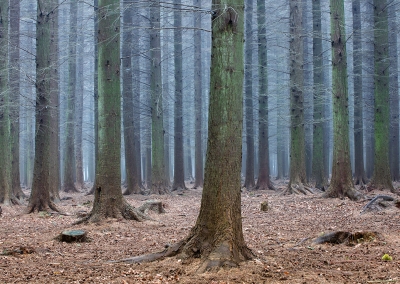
190 141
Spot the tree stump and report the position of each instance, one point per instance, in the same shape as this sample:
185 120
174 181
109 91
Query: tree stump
264 206
70 236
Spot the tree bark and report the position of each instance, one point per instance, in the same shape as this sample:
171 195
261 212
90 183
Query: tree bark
341 182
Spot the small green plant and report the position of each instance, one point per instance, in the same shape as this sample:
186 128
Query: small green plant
387 257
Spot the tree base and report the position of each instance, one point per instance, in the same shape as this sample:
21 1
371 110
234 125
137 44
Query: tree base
349 192
40 206
265 186
297 188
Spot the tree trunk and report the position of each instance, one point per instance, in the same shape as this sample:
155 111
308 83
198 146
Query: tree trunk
128 109
341 182
297 146
179 171
318 171
198 93
359 173
381 178
40 194
159 184
394 96
108 199
263 181
248 90
69 151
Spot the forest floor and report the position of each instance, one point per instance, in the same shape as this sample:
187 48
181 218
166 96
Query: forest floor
282 239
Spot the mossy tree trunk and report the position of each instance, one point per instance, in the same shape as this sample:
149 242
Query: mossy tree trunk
159 183
132 182
359 172
381 178
108 199
5 135
42 179
341 182
263 181
318 171
69 151
179 170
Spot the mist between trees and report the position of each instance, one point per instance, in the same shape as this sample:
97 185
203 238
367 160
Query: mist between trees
165 50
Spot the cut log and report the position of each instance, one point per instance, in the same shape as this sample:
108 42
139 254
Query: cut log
70 236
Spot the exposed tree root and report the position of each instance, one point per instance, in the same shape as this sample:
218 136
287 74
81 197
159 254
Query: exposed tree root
369 204
70 189
41 206
349 192
373 186
265 186
135 190
222 255
360 180
159 189
349 238
298 188
154 205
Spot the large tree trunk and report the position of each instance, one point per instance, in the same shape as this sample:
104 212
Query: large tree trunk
5 145
69 151
394 95
381 178
108 199
341 182
297 146
248 93
159 184
14 67
42 179
318 171
128 109
263 181
179 171
359 173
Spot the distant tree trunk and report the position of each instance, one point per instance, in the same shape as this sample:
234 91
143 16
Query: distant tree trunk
318 171
54 112
69 152
42 179
108 199
248 90
341 182
359 173
132 183
198 94
14 67
263 181
394 95
381 178
217 236
159 184
297 146
179 171
5 136
79 90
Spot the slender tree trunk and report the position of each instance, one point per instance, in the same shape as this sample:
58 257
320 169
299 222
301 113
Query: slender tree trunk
69 151
263 181
359 173
341 182
394 95
248 90
297 146
159 184
40 194
179 172
128 109
381 178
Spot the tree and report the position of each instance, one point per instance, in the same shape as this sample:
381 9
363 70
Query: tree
263 181
359 173
42 179
108 198
159 183
341 182
5 145
318 171
248 90
132 182
198 94
297 142
69 152
179 172
381 178
217 236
